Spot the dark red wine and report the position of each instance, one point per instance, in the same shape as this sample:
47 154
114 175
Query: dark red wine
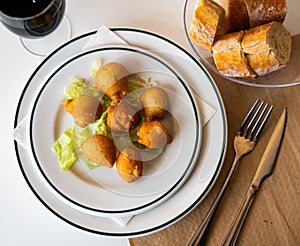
32 18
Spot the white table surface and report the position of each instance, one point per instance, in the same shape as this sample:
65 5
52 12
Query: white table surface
23 219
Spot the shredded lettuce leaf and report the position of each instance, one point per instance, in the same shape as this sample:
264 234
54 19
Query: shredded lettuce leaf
92 165
81 87
79 135
64 147
100 126
77 88
135 82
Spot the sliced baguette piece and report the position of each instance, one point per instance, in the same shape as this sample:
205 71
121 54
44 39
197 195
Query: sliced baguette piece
236 15
264 11
207 23
229 57
267 47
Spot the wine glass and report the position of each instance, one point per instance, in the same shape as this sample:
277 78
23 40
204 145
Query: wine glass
40 24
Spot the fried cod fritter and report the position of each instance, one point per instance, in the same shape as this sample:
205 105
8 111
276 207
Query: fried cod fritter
129 164
122 117
84 109
155 102
99 149
112 79
153 134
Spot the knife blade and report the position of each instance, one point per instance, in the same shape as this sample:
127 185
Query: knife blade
264 170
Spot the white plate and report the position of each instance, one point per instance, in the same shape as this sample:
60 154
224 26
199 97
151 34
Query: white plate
162 176
213 146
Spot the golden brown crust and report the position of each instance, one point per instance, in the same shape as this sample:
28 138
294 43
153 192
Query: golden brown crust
267 47
258 51
229 57
264 11
129 165
85 110
263 62
207 23
112 79
100 150
236 15
233 63
153 134
156 103
69 106
122 117
255 39
226 42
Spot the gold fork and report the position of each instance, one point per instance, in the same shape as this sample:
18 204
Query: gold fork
244 142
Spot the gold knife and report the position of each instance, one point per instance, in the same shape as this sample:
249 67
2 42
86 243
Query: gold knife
264 170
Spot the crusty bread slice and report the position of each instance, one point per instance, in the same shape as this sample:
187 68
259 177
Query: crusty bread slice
207 23
264 11
267 47
236 15
229 57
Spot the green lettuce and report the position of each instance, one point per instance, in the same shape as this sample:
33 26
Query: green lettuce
135 82
77 88
100 126
65 149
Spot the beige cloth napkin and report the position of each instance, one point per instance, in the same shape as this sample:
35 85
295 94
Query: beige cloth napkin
105 36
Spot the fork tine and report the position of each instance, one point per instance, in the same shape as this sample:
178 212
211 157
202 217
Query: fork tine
254 117
248 116
259 118
255 120
259 131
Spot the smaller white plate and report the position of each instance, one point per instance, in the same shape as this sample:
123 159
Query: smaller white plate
101 191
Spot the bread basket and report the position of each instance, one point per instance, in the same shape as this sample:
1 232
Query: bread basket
287 76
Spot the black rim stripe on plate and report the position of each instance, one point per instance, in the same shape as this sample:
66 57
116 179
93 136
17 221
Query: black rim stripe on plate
134 233
190 163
